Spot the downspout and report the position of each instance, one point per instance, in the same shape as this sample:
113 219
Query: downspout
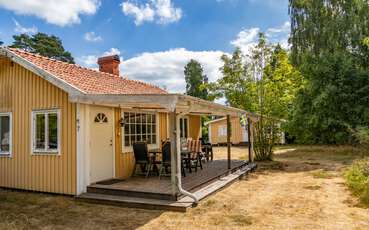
179 170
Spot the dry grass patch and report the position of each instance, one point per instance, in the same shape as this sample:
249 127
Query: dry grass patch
322 174
281 194
313 187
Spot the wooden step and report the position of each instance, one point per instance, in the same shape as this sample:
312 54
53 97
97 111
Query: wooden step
101 189
137 202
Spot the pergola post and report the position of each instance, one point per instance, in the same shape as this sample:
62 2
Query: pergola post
229 141
173 150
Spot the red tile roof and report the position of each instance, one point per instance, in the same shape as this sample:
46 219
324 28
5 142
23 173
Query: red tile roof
87 80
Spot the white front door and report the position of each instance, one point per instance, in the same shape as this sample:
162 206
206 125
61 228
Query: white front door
101 143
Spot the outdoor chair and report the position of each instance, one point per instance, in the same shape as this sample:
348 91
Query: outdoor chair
142 158
193 160
166 160
207 150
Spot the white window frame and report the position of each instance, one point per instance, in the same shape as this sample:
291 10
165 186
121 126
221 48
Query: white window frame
45 151
9 153
182 120
129 149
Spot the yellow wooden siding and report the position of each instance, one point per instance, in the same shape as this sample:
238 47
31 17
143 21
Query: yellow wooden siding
21 91
125 161
194 127
236 131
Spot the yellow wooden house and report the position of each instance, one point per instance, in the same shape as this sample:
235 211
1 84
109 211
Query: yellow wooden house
64 127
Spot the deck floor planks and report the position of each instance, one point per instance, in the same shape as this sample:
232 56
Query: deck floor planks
192 182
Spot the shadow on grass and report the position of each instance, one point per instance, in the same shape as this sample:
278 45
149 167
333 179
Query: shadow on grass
28 210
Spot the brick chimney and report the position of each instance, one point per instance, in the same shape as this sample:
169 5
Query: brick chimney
109 64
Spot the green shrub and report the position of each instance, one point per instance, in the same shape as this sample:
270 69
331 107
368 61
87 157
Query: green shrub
357 178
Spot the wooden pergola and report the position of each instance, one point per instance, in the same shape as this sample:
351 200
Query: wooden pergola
177 106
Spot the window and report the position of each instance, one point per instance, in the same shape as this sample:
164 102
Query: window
139 127
5 134
222 130
46 131
101 118
183 126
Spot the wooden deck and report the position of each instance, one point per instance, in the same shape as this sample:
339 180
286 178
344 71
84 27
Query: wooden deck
154 188
152 193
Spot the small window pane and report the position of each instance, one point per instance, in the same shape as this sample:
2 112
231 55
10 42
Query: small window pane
185 128
131 118
139 130
4 133
133 129
133 139
126 141
144 128
53 131
149 141
153 139
181 127
153 119
126 128
40 131
138 118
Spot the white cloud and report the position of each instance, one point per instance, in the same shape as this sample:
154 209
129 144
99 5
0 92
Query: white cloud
92 37
166 12
166 68
141 13
247 38
279 34
58 12
88 60
91 60
24 30
112 51
160 11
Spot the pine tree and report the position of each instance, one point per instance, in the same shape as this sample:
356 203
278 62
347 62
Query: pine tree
43 44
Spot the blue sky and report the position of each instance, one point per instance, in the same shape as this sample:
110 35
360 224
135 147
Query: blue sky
155 38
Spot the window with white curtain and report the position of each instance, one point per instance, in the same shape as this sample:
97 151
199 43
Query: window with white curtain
5 134
46 131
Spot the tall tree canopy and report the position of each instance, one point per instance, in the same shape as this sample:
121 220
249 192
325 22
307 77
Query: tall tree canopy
1 42
43 44
265 74
264 82
329 46
195 78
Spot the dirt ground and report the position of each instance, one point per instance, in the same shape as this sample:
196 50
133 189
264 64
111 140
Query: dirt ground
302 188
